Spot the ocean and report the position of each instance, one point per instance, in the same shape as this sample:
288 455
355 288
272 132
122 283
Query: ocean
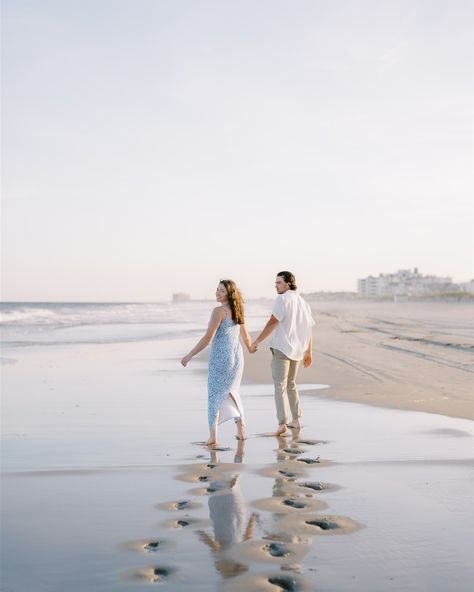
52 323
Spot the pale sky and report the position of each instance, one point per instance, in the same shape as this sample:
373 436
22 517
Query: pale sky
155 146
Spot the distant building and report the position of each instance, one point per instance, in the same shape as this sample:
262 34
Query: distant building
325 296
403 283
181 297
467 287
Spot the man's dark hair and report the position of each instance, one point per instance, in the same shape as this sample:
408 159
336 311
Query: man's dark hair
289 278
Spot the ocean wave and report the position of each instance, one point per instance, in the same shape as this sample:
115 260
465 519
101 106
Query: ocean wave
27 324
75 314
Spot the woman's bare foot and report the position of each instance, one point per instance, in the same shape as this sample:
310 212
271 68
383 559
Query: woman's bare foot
239 453
240 430
212 440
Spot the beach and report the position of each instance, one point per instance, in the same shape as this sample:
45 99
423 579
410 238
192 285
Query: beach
410 355
106 484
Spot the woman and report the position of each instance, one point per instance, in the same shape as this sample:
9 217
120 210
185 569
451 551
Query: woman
226 362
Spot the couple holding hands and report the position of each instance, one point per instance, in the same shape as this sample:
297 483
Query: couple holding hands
290 327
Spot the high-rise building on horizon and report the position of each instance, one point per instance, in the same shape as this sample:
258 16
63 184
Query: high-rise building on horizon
404 282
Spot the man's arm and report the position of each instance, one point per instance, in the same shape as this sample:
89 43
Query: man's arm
272 323
308 354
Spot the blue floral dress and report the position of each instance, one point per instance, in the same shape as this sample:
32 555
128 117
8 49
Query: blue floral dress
226 365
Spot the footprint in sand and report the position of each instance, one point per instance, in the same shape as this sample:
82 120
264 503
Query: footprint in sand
276 550
266 582
293 450
184 522
152 574
178 506
147 545
292 503
312 442
288 474
279 582
315 486
323 524
285 583
306 524
309 461
152 546
161 572
288 505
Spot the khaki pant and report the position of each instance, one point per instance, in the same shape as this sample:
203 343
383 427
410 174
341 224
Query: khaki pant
284 373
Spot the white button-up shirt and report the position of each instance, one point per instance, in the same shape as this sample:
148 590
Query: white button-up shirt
293 332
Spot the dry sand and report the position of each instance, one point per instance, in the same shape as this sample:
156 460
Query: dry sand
414 356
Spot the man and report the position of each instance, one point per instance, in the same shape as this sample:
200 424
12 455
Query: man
290 326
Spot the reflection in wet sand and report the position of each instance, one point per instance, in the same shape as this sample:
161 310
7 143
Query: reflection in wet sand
284 548
228 517
279 535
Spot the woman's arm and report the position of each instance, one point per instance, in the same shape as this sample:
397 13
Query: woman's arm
244 334
214 322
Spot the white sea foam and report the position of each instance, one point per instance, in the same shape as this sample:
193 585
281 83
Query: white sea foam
26 315
52 323
73 314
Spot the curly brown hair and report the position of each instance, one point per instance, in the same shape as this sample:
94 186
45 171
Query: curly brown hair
236 302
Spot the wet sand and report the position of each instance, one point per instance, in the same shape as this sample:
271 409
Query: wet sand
105 485
363 516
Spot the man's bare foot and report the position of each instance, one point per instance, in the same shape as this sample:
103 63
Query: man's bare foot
281 430
211 442
294 425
